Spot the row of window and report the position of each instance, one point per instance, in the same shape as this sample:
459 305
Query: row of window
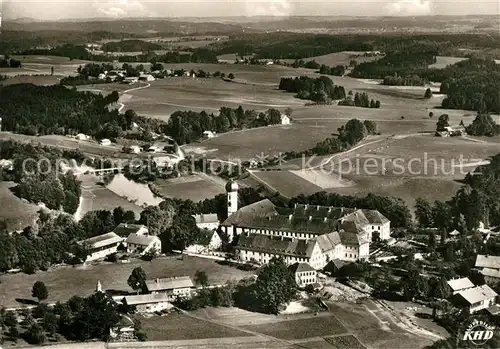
307 273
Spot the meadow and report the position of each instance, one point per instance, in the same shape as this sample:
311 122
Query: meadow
195 188
66 281
16 212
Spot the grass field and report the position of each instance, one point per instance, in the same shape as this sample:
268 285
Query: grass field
443 61
66 281
16 212
302 328
195 187
339 58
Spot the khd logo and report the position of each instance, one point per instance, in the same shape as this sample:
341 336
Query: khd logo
478 332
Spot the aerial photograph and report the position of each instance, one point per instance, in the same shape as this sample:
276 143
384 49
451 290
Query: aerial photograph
250 174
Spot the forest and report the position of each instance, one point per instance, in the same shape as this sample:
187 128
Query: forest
320 90
130 46
188 126
42 110
359 100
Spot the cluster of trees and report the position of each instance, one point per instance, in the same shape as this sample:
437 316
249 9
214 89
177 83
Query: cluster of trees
476 91
407 63
130 46
270 293
348 135
36 170
7 62
41 110
88 74
52 240
320 90
66 50
391 207
360 100
188 126
409 80
200 55
477 201
483 125
338 70
300 63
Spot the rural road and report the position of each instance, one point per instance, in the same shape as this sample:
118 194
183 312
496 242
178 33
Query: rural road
130 90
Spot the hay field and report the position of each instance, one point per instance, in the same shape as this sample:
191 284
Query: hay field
17 213
195 187
444 61
339 58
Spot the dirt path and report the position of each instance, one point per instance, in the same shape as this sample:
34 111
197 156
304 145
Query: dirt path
124 93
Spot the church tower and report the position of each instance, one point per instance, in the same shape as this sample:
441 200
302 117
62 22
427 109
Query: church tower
232 197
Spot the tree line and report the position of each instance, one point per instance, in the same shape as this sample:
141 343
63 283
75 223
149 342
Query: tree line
359 100
130 46
320 90
188 126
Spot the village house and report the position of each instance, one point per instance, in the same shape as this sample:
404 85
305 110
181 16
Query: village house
123 330
131 80
155 148
478 298
207 242
134 149
285 120
105 142
180 286
101 246
489 266
303 273
142 244
146 77
458 285
148 303
305 233
208 134
206 221
82 137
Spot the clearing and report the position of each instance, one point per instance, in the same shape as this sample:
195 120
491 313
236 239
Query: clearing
196 187
17 213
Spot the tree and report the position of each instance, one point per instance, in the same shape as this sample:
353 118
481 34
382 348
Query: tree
137 280
288 112
275 287
40 291
50 323
201 278
231 76
431 114
52 70
10 319
431 247
35 334
428 93
377 104
442 123
423 212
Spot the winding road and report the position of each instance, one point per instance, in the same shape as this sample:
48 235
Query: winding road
130 90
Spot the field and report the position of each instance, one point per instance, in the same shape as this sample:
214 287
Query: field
177 326
442 61
16 212
339 58
319 326
195 187
66 281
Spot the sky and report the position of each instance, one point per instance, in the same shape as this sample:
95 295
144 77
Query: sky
65 9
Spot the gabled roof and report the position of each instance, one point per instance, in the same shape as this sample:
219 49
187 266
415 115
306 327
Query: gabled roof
206 218
169 283
300 268
493 273
144 240
246 214
327 242
125 321
125 229
276 245
146 298
102 240
485 261
477 294
460 284
375 217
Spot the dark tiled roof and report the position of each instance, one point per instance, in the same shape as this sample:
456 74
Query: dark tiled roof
247 214
276 245
292 224
127 229
327 242
300 267
375 217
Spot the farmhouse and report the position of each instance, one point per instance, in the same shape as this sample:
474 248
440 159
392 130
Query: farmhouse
105 142
146 77
206 221
489 266
209 240
101 246
142 243
304 274
82 137
131 80
208 134
285 120
124 329
458 285
173 287
148 303
478 298
125 229
134 149
305 233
